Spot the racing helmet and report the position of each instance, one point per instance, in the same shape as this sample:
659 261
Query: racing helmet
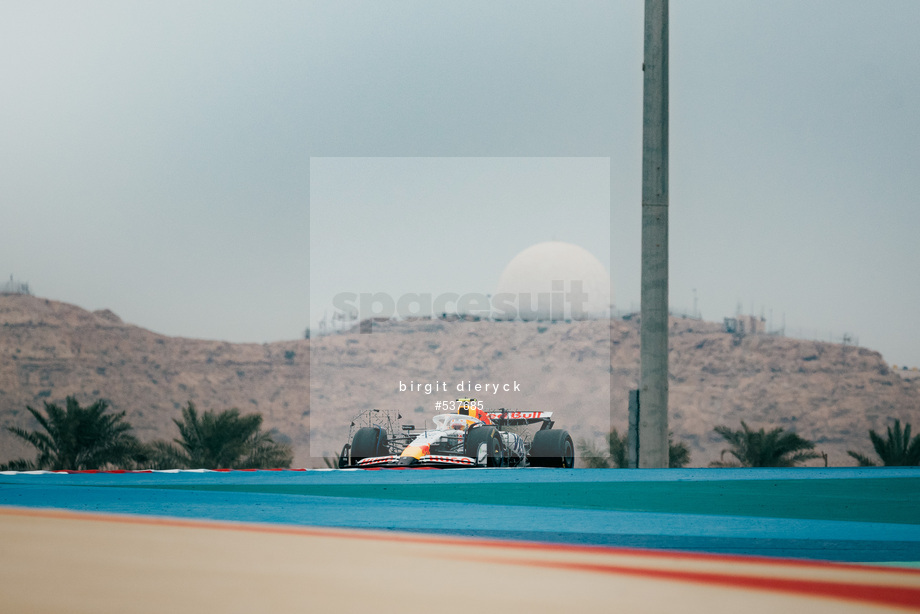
459 424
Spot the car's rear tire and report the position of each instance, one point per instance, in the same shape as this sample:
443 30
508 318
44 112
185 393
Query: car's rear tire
368 442
488 435
552 449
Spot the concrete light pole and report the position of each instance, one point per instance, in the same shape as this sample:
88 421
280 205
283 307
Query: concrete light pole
653 386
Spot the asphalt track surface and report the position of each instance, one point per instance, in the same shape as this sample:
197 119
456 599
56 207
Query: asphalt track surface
655 539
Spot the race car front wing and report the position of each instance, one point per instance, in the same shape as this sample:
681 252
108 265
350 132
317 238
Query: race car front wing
433 460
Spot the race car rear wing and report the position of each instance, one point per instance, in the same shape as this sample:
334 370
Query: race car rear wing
505 417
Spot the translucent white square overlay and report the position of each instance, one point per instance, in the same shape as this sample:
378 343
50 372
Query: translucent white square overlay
400 242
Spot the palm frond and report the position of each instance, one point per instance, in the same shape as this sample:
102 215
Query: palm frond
897 449
760 448
20 464
592 455
619 449
678 453
862 459
228 440
75 437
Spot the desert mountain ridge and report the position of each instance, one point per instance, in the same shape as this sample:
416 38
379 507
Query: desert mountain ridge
308 390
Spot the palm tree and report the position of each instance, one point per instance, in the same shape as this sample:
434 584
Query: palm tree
597 458
592 456
77 438
224 440
764 449
618 445
334 461
616 455
898 450
678 454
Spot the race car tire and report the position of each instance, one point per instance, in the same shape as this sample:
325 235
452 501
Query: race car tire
368 442
489 435
552 449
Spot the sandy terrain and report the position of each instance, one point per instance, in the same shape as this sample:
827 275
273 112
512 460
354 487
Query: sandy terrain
62 561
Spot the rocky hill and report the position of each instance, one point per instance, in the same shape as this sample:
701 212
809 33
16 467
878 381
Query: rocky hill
49 350
582 371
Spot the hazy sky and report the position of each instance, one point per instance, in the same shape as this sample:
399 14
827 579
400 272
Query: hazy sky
404 226
155 157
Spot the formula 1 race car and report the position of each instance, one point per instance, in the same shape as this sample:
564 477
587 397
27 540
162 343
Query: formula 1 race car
470 437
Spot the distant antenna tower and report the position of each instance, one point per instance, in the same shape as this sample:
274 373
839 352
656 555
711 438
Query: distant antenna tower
696 313
15 287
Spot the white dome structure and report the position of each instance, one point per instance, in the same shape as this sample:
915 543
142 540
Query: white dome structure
553 281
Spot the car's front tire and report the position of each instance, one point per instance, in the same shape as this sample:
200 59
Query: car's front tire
368 442
489 436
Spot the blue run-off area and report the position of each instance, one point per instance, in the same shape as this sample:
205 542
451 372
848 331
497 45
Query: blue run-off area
838 514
